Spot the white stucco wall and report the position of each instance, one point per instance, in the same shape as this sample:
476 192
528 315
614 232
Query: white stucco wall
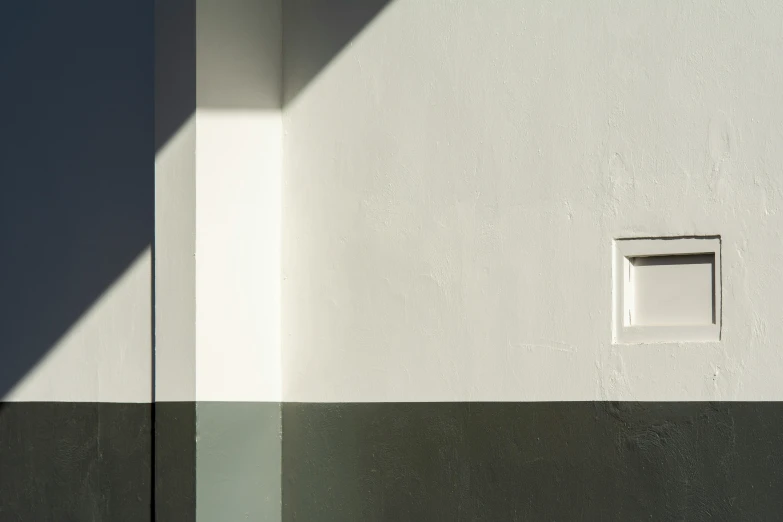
175 266
454 178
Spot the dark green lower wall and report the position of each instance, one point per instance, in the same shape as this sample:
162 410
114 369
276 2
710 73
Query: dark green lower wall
389 462
175 461
73 462
532 461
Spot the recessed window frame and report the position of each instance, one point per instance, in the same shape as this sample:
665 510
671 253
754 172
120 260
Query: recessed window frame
626 249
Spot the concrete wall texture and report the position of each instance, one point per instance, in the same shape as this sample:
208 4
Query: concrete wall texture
353 259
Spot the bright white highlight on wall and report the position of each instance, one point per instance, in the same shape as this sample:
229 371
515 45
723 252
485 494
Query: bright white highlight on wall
667 290
238 184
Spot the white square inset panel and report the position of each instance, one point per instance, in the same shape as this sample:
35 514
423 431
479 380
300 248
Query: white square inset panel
666 290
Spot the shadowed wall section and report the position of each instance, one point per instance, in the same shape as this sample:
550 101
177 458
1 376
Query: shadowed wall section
76 230
77 199
316 32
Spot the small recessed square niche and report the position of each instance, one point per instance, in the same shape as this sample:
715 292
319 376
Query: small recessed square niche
666 290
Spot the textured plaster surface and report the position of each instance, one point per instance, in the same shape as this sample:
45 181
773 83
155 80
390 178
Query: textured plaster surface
454 178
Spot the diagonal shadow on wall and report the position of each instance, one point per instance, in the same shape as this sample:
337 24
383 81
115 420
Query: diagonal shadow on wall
315 32
80 132
91 91
77 192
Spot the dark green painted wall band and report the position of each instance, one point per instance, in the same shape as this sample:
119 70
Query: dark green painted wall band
379 462
532 461
73 462
94 461
175 461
